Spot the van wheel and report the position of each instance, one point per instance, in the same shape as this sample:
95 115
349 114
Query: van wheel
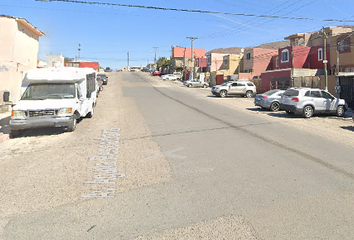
14 133
223 93
72 125
340 111
307 112
90 114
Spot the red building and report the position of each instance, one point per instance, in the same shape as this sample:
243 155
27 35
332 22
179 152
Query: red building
94 65
293 62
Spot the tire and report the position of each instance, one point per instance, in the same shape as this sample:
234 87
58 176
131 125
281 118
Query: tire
189 85
90 114
223 93
307 112
205 86
72 125
14 133
289 112
340 111
249 94
275 106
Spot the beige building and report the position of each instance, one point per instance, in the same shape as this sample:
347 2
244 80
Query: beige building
19 44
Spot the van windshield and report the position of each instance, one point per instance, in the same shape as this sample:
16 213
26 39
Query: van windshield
43 91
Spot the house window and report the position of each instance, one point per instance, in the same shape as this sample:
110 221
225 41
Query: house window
209 60
226 61
285 55
248 56
320 54
277 61
344 44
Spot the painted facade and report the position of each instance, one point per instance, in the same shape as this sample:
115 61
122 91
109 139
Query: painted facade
19 45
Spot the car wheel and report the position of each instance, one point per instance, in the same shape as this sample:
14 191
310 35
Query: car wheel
275 106
205 86
223 93
189 85
340 111
249 94
307 112
289 112
72 125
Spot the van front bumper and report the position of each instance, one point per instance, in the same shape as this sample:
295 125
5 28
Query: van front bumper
40 122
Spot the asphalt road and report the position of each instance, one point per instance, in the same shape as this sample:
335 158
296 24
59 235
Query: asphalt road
186 165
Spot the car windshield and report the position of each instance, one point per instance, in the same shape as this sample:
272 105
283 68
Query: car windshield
225 84
291 93
49 91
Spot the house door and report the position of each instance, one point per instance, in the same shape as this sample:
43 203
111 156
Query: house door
347 90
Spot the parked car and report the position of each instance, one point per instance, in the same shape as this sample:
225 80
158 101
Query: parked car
308 101
100 85
269 100
170 77
196 83
103 77
243 88
156 73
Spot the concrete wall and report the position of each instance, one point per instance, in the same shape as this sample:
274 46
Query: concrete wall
18 53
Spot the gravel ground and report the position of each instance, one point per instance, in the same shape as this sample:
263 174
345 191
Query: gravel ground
44 171
228 227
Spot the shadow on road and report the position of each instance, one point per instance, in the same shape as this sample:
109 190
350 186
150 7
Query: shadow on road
349 128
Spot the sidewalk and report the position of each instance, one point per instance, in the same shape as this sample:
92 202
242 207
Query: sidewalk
4 126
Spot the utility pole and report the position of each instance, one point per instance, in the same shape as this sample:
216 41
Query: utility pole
78 55
128 60
325 57
192 71
155 54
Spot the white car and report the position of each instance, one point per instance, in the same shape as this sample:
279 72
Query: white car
308 101
196 83
243 88
170 77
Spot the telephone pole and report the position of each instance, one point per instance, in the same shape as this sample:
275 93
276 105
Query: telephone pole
192 71
155 54
325 57
128 60
78 54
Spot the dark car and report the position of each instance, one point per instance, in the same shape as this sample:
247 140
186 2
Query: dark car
103 77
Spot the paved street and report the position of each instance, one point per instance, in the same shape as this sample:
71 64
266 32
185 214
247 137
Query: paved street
186 165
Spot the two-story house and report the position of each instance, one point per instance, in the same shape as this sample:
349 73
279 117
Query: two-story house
301 64
181 59
19 45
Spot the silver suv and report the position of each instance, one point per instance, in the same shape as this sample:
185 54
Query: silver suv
307 101
243 88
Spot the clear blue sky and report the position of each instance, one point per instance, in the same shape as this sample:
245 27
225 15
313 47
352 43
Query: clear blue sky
106 33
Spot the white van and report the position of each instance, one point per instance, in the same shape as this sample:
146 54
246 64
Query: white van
55 97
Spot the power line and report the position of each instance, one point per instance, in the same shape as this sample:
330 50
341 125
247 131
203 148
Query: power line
197 11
